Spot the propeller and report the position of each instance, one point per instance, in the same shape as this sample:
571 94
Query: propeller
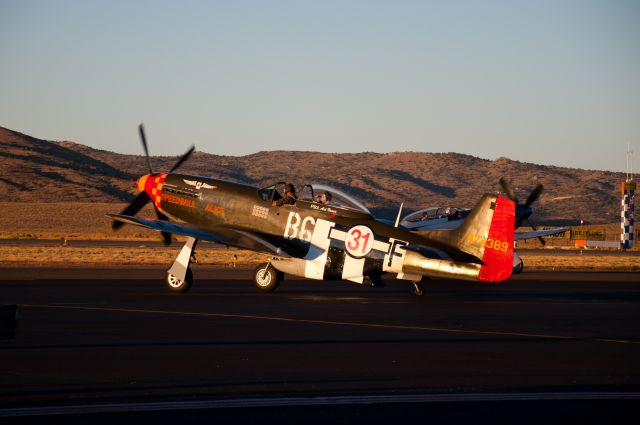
508 190
143 198
182 159
143 138
132 209
523 211
535 193
534 228
166 236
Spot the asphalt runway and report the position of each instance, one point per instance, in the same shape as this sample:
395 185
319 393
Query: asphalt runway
97 344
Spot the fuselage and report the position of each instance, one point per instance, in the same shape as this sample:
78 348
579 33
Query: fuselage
354 243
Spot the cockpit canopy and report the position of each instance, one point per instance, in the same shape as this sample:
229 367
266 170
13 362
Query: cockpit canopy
273 192
435 213
338 199
310 193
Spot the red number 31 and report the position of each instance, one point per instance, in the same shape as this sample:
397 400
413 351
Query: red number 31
359 241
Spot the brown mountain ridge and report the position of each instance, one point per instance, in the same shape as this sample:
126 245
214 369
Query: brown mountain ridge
35 170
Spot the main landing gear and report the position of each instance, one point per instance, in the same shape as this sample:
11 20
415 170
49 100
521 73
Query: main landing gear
517 269
266 277
518 264
179 276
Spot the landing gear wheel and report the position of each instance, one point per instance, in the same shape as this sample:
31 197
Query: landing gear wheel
179 286
519 267
266 278
416 289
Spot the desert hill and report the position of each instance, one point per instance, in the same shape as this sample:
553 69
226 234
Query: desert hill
35 170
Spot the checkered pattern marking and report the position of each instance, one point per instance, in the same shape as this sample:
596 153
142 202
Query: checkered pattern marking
152 184
156 190
626 216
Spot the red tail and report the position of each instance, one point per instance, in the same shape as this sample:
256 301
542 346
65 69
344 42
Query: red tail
498 250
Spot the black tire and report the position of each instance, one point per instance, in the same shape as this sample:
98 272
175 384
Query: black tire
179 286
376 281
266 278
518 269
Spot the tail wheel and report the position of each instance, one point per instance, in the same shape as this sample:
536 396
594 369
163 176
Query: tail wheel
179 286
416 289
266 278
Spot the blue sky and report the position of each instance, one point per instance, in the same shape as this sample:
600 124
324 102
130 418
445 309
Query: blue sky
551 82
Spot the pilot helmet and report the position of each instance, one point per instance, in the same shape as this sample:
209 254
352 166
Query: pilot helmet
290 188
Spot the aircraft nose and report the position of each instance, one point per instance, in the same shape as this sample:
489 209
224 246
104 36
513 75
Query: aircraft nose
142 181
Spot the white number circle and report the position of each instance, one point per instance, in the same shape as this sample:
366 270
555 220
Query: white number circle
359 241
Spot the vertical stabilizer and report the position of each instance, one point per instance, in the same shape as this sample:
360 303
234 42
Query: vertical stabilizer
486 234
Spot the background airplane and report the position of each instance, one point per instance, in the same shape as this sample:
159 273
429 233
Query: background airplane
451 217
341 240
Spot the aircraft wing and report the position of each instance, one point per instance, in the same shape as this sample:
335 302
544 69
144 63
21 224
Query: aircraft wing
537 233
220 234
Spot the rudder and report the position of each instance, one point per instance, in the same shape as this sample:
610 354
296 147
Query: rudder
497 257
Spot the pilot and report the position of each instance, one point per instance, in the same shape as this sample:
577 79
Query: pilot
289 196
324 198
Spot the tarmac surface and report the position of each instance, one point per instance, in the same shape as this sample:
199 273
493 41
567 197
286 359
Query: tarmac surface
104 345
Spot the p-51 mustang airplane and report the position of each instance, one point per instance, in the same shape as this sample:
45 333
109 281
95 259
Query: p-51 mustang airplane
341 240
442 218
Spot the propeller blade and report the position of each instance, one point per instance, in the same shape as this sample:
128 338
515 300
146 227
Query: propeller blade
136 205
182 159
161 215
535 193
144 145
166 236
508 190
540 238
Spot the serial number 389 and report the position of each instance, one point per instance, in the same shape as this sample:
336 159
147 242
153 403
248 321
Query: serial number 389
497 245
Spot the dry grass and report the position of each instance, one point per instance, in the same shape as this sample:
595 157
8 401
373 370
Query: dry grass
77 220
548 261
88 221
77 256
